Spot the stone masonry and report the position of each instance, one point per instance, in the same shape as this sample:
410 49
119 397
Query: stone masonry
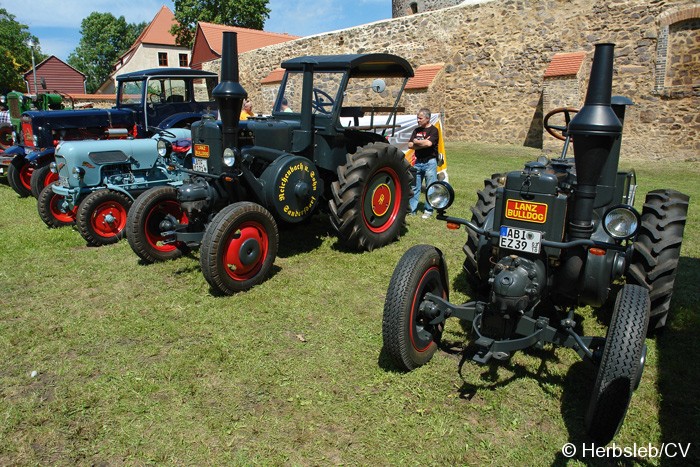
495 53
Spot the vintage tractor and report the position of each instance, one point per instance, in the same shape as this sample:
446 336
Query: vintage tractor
542 241
283 168
162 98
98 180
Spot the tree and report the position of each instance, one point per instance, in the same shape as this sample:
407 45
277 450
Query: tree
104 38
244 13
15 54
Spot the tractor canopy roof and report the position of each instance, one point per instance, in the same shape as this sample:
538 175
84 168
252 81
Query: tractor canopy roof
166 73
358 65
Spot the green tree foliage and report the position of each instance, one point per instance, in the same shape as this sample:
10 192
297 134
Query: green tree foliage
104 38
244 13
15 54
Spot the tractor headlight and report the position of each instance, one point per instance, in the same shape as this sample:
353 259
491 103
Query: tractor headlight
440 195
163 148
621 222
78 172
229 157
53 168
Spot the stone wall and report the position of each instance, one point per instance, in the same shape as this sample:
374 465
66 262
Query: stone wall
495 55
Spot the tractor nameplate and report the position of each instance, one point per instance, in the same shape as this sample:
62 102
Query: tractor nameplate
200 165
201 150
526 211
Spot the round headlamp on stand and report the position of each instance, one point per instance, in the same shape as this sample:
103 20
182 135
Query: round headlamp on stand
164 147
621 222
229 157
440 195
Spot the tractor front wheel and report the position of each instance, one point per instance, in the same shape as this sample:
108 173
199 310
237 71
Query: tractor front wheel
621 364
102 217
52 209
657 249
41 177
151 212
370 197
410 340
239 247
19 176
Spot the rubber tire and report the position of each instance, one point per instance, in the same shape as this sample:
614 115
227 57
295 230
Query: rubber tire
51 215
409 341
260 230
41 178
19 176
92 208
136 225
620 365
363 168
657 250
476 264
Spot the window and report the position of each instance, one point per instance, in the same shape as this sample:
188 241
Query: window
162 59
184 62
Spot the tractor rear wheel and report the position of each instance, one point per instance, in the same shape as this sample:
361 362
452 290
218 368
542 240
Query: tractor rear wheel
41 177
476 264
144 229
410 340
657 250
52 211
370 197
102 217
239 247
621 364
19 176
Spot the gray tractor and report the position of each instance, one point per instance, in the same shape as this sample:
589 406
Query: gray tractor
542 241
284 168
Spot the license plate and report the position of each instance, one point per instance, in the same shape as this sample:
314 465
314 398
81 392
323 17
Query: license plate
528 241
199 165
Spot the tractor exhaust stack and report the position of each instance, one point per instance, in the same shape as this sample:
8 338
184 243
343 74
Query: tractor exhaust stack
229 93
594 130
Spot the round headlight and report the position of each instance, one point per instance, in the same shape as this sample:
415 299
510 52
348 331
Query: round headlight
52 167
162 148
229 157
621 222
78 172
440 195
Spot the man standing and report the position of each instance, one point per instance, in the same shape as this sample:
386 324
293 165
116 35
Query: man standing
424 141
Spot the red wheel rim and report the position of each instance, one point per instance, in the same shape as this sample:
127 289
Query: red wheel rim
49 179
108 219
381 200
246 250
25 175
153 220
422 339
59 214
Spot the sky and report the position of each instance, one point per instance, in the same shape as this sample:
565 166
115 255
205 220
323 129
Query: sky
57 23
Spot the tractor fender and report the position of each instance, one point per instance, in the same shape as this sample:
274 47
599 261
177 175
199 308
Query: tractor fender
36 156
15 151
112 187
179 120
443 273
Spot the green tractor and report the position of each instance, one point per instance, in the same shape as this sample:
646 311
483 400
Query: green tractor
249 176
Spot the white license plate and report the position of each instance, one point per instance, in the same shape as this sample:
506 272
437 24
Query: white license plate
529 241
199 165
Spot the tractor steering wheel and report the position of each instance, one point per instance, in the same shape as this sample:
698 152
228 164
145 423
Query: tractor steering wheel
319 104
162 132
559 131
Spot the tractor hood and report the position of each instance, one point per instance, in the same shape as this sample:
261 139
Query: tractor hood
59 119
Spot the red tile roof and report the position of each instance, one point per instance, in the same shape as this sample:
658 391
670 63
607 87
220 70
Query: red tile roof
565 64
248 39
158 30
424 76
275 76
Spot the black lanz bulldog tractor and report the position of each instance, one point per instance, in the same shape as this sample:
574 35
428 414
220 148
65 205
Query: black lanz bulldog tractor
542 241
284 168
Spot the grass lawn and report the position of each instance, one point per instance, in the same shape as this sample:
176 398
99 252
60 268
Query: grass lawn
141 364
